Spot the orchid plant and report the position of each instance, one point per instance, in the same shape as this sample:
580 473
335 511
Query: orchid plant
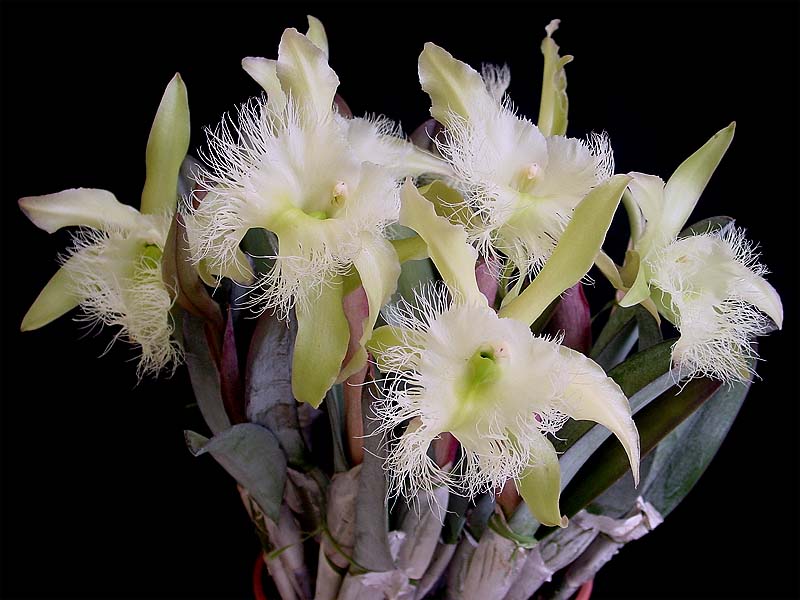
424 296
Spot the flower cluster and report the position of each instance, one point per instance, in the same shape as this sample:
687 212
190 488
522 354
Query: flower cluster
336 193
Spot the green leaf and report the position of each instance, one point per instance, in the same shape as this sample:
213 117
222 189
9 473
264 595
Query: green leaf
654 423
372 519
268 385
321 344
203 374
455 518
166 148
687 183
253 457
616 339
554 105
574 254
334 403
649 330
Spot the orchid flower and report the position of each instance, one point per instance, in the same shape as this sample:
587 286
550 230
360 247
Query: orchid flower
325 185
710 285
455 365
521 181
113 271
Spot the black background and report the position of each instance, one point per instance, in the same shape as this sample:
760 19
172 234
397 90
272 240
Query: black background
100 497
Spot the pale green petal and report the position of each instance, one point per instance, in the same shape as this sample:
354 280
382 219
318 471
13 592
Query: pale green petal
758 292
265 73
454 86
316 33
410 248
447 202
447 244
574 254
86 207
166 148
320 346
540 483
239 270
609 268
644 201
379 268
640 290
554 105
592 396
689 180
53 301
384 338
305 75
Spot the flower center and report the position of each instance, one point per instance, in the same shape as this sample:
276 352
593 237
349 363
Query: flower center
475 389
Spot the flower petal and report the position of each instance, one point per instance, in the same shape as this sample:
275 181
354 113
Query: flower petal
386 337
540 483
574 254
554 105
593 396
454 86
316 33
757 291
640 290
321 344
56 299
379 268
166 148
644 202
447 243
689 180
87 207
265 73
305 75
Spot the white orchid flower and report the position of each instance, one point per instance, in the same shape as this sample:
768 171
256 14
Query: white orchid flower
522 182
710 285
456 366
326 186
113 272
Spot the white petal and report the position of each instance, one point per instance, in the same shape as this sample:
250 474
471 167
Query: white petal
56 299
87 207
305 75
593 396
265 73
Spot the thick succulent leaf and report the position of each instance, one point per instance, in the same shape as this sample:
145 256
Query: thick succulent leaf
268 385
316 33
554 104
683 456
447 244
334 403
85 207
654 423
687 183
616 339
594 397
253 457
321 344
379 269
648 328
372 518
574 254
166 148
305 75
56 299
265 72
540 484
454 87
203 374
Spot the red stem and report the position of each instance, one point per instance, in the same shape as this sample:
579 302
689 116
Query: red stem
586 591
258 578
